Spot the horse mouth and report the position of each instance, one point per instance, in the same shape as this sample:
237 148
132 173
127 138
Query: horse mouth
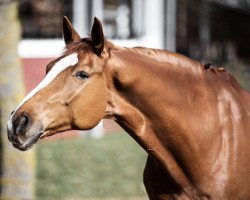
29 143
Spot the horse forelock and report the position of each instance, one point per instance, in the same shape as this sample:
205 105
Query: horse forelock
75 47
85 45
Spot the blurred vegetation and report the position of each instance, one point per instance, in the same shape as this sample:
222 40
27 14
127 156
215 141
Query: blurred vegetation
86 168
241 71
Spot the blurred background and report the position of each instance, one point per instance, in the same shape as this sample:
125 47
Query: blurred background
104 163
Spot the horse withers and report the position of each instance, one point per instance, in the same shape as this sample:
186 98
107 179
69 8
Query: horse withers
192 120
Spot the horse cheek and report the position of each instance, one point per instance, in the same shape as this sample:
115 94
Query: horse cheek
89 108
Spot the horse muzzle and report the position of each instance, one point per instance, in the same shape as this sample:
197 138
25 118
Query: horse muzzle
20 132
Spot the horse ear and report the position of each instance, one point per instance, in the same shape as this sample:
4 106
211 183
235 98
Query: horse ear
69 33
97 36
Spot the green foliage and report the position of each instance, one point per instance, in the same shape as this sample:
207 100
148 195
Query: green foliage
84 168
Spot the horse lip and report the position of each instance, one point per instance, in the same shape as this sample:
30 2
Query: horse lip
46 134
28 145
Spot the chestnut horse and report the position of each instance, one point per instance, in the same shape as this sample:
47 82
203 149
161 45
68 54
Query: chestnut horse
192 120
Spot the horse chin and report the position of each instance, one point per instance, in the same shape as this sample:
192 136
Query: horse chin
29 143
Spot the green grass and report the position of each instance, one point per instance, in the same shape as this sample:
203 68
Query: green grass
86 168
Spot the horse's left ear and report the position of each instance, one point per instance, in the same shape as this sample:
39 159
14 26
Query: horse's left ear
97 36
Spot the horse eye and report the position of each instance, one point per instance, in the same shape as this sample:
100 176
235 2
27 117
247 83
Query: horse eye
82 75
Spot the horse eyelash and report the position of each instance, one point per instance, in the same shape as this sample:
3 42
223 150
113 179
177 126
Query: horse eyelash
85 75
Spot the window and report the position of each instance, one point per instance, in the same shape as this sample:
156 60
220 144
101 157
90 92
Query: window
43 18
124 21
123 18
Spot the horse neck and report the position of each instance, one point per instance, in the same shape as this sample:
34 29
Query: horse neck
150 92
162 100
147 99
149 85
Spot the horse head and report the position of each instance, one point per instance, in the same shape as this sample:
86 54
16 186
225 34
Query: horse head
73 94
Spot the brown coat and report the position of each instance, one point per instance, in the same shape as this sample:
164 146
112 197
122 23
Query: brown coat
192 120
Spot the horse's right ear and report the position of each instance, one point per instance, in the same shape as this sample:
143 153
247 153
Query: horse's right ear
69 33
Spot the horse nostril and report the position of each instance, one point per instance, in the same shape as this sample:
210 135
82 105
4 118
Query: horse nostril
22 123
24 120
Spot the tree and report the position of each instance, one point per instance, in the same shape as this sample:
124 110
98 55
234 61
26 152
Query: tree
16 168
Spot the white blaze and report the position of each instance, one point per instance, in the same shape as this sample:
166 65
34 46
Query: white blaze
61 65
